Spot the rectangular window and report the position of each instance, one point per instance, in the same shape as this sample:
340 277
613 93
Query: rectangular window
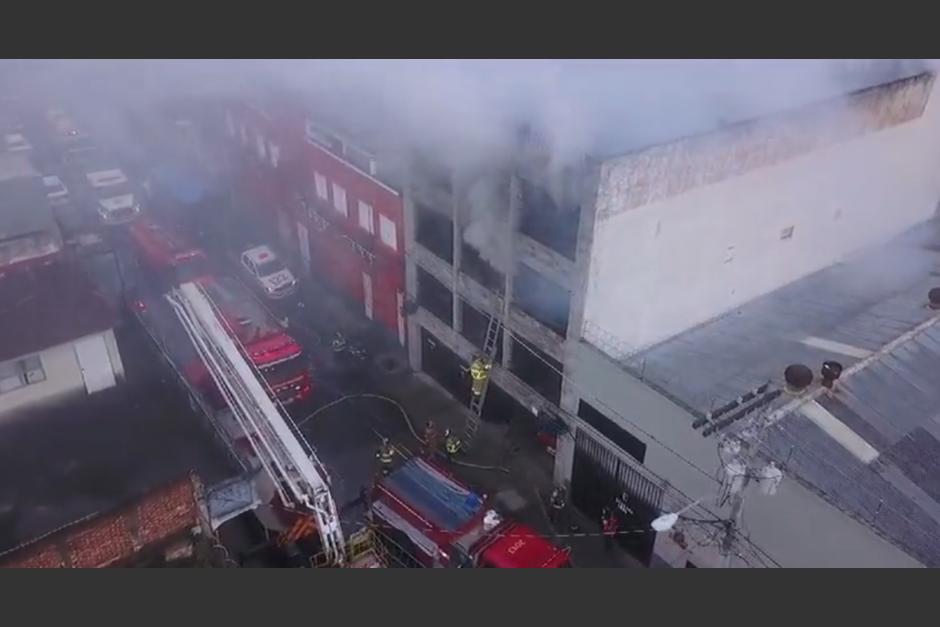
550 220
435 232
538 370
20 373
542 298
628 443
339 200
480 270
435 297
365 217
475 324
388 232
319 182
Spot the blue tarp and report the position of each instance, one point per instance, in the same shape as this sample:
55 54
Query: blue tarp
447 505
182 185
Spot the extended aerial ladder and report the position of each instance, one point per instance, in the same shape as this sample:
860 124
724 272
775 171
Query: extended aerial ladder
299 478
490 348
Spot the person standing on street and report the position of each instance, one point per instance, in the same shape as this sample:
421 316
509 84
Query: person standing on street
385 455
557 505
609 526
451 445
430 438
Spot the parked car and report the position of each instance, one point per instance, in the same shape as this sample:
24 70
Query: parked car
266 270
56 191
17 142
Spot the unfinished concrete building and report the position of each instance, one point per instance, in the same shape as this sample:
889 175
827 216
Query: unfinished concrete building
592 267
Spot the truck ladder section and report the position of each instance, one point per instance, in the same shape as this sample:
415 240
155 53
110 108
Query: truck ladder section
298 475
490 347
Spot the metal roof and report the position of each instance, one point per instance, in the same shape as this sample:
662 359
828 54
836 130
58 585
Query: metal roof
870 314
24 208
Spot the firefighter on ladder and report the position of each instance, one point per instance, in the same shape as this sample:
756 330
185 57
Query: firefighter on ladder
451 445
385 455
479 373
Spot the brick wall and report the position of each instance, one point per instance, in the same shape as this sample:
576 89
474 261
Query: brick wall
103 540
670 169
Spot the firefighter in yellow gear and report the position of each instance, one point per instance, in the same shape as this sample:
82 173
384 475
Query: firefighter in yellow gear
385 455
451 445
479 373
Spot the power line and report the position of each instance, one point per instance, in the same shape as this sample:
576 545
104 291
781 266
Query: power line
525 343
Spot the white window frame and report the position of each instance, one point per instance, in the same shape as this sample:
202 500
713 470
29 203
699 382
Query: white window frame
22 372
340 202
322 186
366 217
388 232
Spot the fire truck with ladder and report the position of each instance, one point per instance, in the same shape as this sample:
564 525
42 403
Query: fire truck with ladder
165 259
187 313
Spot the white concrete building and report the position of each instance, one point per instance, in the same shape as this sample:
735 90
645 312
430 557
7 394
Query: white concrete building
56 339
652 287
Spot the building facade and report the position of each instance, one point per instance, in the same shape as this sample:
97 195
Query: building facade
48 355
602 263
336 212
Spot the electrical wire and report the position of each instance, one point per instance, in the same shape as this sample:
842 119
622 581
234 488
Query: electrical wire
525 343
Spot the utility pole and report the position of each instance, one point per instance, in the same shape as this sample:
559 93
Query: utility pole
747 466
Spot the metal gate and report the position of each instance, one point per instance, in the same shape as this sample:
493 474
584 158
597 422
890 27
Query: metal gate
600 476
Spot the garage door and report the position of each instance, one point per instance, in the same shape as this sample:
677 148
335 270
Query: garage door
95 364
599 476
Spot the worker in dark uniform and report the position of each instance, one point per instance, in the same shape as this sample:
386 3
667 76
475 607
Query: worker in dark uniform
385 455
556 505
609 526
479 373
430 438
451 445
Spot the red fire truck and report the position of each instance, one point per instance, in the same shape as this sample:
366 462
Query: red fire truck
430 519
166 259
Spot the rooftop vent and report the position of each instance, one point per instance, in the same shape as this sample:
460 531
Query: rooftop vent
933 298
831 370
798 378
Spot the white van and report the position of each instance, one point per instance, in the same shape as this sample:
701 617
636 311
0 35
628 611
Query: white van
116 202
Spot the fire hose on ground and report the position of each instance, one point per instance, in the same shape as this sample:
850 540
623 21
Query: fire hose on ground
405 417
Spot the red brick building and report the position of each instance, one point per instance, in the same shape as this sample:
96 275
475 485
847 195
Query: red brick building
334 212
163 524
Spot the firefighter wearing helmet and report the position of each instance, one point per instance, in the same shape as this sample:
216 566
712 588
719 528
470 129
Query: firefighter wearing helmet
451 444
479 373
385 455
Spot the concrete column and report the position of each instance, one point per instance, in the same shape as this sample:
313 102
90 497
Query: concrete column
564 459
455 208
515 200
570 391
411 275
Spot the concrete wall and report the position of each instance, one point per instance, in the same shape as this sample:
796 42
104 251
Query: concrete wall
706 249
63 376
795 527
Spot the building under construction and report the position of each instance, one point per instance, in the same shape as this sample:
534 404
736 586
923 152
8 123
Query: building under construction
645 290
